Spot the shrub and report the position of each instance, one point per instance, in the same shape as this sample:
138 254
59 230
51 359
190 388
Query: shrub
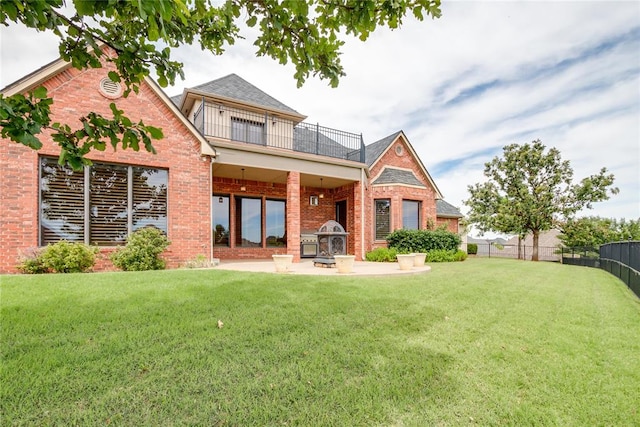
472 248
441 255
142 251
382 255
407 241
68 257
31 262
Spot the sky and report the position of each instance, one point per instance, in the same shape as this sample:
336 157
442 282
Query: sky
461 87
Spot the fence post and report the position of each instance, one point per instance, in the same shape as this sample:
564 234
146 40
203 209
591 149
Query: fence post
629 261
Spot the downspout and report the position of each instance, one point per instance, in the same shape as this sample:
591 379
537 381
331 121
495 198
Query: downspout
362 213
210 209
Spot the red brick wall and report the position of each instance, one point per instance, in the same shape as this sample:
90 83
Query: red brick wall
398 193
75 94
451 223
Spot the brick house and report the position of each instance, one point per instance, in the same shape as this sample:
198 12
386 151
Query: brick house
237 175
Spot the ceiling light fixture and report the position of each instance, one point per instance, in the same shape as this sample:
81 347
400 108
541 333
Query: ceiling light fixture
243 187
321 195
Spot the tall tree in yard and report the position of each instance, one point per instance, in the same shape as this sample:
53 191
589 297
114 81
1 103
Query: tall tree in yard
306 32
529 189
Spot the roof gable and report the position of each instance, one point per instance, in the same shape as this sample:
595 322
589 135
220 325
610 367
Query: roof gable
56 67
375 151
235 87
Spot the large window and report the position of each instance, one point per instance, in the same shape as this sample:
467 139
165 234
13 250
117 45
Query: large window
247 131
100 205
410 214
276 223
383 218
248 222
220 220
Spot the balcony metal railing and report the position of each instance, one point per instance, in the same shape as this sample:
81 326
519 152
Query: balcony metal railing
220 121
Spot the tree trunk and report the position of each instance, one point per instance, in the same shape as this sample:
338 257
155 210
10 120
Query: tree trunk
534 255
519 247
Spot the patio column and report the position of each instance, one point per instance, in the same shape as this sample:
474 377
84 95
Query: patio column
359 221
293 215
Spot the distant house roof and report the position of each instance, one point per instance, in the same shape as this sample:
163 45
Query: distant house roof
483 241
447 210
235 87
391 175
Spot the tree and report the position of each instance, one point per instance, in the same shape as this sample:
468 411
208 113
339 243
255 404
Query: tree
530 190
306 32
595 231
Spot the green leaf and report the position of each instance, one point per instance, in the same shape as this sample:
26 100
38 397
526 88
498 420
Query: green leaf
40 92
113 76
156 133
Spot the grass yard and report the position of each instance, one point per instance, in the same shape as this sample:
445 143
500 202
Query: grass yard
486 341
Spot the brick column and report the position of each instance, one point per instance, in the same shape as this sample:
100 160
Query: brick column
358 221
293 215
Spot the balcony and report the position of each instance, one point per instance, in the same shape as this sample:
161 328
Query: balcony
267 129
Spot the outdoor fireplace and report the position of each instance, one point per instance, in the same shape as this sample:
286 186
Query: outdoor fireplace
332 240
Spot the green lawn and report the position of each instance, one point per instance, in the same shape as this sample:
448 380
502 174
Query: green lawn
486 341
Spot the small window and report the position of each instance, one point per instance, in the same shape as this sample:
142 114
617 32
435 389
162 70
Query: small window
410 214
220 220
383 218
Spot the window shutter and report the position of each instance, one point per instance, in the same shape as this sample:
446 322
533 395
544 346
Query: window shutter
383 219
108 205
61 203
150 198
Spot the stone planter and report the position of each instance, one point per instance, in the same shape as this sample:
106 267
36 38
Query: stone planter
344 263
282 262
406 261
419 258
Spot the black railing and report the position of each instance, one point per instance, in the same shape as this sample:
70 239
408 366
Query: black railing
585 256
220 121
622 259
493 250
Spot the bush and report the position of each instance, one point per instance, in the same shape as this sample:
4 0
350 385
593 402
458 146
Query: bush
472 248
440 255
407 241
382 255
61 257
31 262
142 251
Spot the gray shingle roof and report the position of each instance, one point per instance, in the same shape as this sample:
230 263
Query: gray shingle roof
375 149
445 209
235 87
176 99
397 176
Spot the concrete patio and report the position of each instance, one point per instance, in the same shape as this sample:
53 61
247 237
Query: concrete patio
360 268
